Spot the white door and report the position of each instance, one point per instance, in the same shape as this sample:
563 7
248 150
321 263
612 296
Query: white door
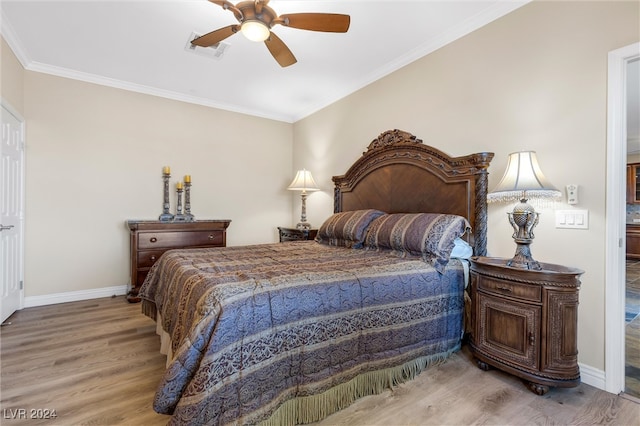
11 212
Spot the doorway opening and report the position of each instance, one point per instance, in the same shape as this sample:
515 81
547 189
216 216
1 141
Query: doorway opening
615 285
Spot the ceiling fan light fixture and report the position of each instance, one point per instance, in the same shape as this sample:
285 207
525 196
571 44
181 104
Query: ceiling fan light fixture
255 30
255 20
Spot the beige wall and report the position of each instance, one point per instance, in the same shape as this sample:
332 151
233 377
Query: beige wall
535 79
11 78
94 159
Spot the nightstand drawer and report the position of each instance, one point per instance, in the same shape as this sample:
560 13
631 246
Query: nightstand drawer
151 240
294 234
510 289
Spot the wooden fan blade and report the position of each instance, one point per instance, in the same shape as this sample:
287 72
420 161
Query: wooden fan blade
280 51
327 22
216 36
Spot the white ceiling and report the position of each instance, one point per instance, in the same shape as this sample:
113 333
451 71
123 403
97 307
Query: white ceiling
140 45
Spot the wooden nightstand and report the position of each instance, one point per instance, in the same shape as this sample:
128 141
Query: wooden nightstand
295 234
151 238
525 322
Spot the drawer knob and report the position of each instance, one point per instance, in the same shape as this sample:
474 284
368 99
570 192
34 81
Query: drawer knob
153 258
505 289
153 239
211 236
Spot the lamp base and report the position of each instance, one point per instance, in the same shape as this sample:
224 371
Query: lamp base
523 219
305 226
522 258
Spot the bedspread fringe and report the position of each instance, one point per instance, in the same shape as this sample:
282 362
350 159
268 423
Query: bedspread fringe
149 309
308 409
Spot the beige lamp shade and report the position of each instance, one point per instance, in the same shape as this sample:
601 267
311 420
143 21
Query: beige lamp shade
523 179
303 182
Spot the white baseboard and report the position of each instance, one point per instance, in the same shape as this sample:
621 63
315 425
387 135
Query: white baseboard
592 376
74 296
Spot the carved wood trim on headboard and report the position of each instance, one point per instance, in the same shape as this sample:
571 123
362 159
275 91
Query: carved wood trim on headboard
399 173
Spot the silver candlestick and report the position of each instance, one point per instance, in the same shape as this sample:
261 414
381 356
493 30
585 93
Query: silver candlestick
187 202
179 217
166 216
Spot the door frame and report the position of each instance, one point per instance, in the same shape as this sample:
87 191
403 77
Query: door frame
615 217
11 110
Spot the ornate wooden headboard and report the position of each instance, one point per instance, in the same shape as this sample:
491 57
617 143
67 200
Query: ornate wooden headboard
399 174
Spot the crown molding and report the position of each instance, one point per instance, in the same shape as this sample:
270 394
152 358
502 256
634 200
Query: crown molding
147 90
9 35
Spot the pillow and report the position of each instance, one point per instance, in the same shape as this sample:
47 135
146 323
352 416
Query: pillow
347 229
430 235
461 249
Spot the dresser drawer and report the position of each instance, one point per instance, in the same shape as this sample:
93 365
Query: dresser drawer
146 258
152 240
141 274
510 289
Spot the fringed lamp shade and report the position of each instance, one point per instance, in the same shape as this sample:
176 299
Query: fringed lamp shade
523 180
303 182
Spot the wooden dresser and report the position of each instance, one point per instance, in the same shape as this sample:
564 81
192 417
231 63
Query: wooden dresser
151 238
525 322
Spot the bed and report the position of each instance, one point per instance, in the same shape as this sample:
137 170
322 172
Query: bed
288 333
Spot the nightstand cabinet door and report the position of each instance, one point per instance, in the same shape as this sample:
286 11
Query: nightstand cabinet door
508 330
561 357
525 322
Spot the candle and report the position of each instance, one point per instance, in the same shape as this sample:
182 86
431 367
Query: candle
187 179
166 170
179 185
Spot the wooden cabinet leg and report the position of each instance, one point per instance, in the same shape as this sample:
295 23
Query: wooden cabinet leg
483 365
538 389
133 297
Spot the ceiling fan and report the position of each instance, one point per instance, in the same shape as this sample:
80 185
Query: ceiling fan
256 19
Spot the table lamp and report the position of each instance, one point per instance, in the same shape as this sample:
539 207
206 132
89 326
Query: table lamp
303 182
523 180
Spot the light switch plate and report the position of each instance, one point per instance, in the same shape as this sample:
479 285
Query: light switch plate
574 219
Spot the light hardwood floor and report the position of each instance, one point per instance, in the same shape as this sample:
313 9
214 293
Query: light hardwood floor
96 362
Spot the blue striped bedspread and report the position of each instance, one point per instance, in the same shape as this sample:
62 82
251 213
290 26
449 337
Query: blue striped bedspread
255 326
